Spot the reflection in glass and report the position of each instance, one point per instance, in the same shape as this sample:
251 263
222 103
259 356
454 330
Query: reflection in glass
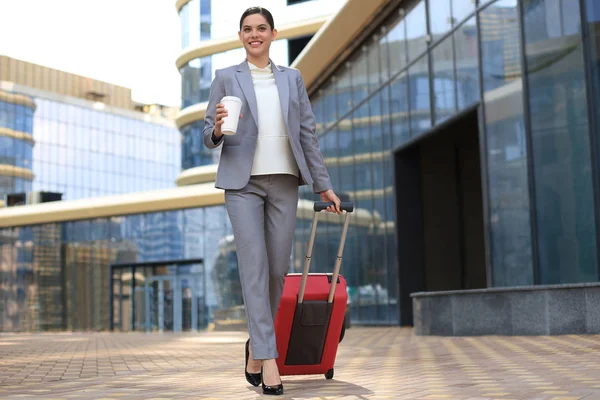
560 140
16 119
344 90
196 78
329 147
398 104
78 158
416 31
328 106
440 18
70 262
593 29
396 46
461 9
509 208
444 84
360 79
193 151
373 64
467 71
195 17
420 107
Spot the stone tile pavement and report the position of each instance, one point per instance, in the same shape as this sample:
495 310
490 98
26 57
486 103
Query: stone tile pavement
373 363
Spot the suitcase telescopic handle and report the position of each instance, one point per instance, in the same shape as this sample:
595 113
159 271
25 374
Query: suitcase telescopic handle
344 205
320 206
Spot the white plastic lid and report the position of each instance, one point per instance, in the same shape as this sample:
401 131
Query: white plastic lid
231 98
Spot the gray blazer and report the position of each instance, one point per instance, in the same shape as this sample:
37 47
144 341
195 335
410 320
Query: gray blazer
238 150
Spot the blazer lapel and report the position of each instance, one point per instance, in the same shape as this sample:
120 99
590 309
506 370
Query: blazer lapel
245 80
281 80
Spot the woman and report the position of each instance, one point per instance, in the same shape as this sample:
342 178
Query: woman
274 151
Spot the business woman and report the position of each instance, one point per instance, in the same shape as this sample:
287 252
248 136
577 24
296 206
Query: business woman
274 151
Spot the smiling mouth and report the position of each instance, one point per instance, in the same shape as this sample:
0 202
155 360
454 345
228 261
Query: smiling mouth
255 43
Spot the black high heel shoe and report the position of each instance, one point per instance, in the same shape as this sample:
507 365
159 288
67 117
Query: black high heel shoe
253 379
272 390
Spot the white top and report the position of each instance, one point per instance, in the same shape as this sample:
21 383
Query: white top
273 149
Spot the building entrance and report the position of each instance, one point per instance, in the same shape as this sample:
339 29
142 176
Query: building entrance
171 303
440 212
167 296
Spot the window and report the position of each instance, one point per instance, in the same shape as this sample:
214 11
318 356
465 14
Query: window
560 141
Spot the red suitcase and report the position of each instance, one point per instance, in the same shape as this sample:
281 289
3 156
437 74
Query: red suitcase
310 319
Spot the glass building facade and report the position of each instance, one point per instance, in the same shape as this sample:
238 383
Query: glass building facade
81 149
16 142
536 91
529 69
196 76
85 150
56 276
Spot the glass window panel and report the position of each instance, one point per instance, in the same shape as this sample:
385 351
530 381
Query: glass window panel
344 91
462 9
444 85
62 155
398 104
328 145
328 107
384 113
361 136
62 112
396 46
467 62
373 64
360 81
62 134
440 18
375 123
416 31
331 154
120 145
593 28
420 107
560 140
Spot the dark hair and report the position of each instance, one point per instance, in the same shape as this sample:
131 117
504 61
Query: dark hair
258 10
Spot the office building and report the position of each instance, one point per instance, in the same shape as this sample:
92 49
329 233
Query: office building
16 142
68 137
466 134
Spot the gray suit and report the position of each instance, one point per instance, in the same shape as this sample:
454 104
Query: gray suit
238 150
262 209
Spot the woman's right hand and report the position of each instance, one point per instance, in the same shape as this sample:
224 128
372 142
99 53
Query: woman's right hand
221 113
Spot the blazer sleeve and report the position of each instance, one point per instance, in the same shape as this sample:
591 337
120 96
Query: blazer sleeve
310 142
217 92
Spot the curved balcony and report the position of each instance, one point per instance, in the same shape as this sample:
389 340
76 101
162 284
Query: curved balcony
196 63
191 114
17 172
24 136
180 3
216 46
192 176
16 98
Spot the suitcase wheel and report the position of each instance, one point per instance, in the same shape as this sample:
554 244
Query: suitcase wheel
329 374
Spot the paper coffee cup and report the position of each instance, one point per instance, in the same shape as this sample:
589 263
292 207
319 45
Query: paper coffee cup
233 105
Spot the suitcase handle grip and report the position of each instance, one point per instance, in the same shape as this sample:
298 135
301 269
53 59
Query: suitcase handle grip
347 206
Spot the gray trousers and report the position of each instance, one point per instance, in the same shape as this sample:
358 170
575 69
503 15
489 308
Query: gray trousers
263 218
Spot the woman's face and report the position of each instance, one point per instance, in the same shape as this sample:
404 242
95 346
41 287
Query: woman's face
256 35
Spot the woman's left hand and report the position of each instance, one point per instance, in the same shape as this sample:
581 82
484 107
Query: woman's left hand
330 196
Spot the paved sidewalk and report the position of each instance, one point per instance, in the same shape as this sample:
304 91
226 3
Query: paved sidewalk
373 363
